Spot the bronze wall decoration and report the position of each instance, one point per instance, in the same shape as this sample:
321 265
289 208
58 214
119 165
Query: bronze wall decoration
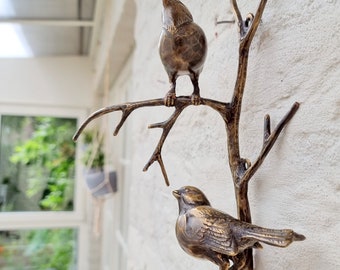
208 233
182 48
177 24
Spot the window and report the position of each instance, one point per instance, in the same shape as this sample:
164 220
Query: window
38 249
42 215
37 163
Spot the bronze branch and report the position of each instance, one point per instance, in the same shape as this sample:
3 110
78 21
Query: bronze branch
241 168
180 104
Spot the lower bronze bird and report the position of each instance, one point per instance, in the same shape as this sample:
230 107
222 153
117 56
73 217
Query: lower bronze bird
182 48
208 233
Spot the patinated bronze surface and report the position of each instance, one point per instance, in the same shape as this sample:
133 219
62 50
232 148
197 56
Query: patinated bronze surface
208 233
182 48
242 169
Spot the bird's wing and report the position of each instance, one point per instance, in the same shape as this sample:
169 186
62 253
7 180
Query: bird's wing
211 228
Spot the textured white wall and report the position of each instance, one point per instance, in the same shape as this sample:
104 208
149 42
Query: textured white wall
294 57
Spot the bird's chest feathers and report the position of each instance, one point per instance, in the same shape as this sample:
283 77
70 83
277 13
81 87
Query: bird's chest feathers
189 227
189 234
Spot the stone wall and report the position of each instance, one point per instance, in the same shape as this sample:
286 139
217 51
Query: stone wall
294 57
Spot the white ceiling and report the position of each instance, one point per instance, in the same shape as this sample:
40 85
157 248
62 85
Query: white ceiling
46 27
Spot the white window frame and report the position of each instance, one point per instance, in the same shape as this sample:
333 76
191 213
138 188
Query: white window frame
62 219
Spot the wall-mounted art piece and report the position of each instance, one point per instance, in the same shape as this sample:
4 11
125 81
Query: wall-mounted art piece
203 231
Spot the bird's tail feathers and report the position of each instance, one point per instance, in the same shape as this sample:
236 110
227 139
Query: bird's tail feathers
279 238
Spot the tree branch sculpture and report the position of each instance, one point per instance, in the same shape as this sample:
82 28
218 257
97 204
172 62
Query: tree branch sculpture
127 108
241 168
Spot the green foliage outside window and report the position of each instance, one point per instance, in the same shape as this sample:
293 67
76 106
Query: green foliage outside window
52 249
38 154
48 157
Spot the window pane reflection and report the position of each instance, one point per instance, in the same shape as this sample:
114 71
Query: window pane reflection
52 249
37 163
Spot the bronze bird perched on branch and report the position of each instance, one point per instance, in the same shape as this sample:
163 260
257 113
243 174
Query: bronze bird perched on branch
208 233
182 48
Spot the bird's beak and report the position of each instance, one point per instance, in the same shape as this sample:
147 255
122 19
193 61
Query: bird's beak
176 194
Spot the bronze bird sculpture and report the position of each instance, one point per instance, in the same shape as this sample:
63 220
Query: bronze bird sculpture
208 233
182 48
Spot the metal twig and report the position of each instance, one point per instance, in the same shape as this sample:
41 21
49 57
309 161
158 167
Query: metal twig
180 104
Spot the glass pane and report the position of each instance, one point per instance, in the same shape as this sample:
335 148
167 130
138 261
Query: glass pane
45 249
37 163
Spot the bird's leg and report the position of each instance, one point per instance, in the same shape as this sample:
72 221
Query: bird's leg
170 97
222 261
239 263
225 266
195 96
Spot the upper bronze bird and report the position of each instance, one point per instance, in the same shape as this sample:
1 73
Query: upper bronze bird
208 233
182 48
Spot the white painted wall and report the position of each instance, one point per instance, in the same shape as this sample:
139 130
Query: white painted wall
294 57
57 81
